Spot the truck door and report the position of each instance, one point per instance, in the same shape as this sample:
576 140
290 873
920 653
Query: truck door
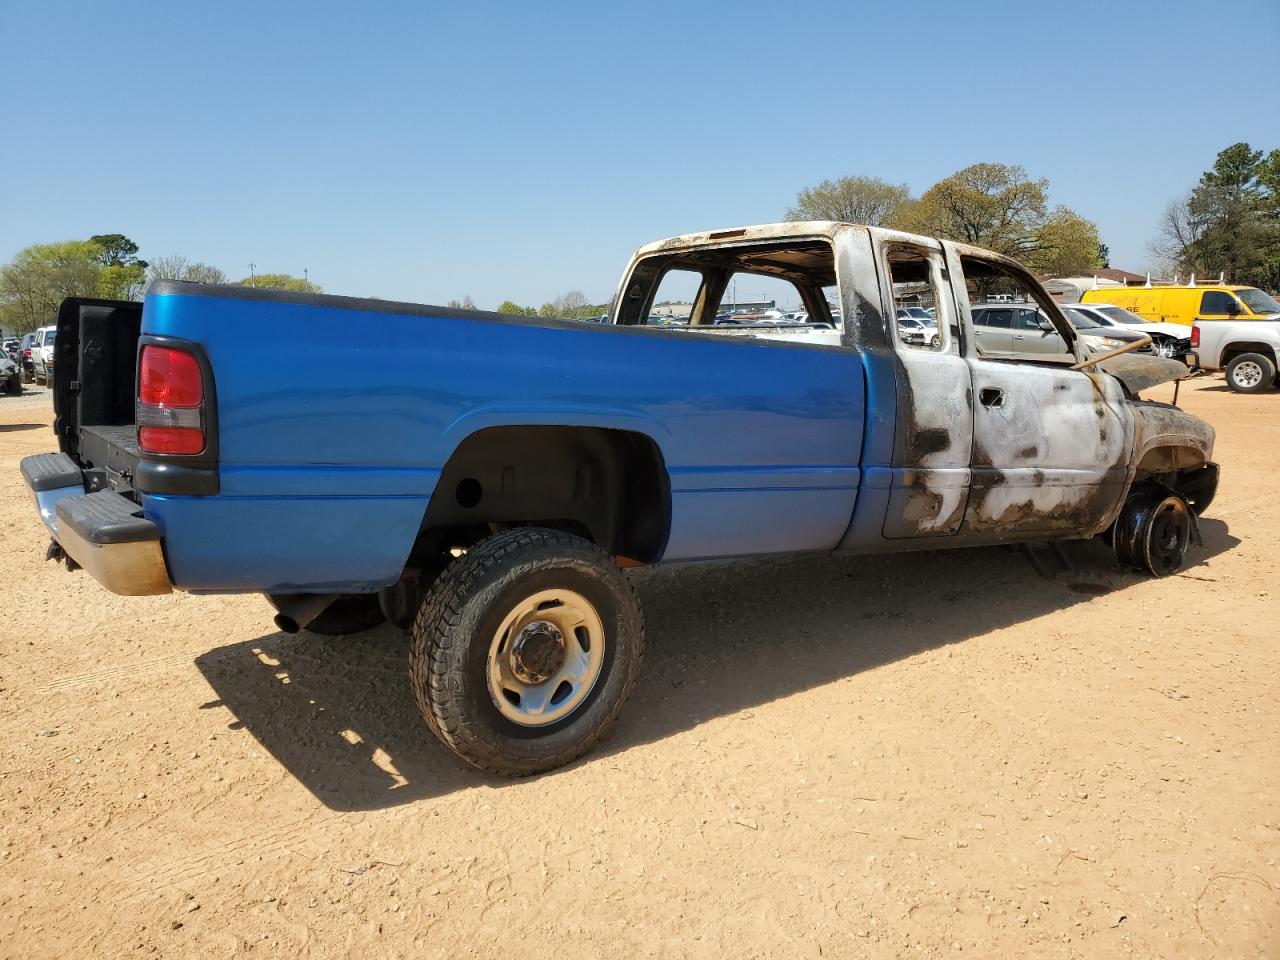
933 435
1051 445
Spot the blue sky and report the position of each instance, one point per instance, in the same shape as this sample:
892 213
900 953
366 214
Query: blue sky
424 151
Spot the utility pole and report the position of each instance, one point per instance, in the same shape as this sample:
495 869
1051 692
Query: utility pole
306 277
252 279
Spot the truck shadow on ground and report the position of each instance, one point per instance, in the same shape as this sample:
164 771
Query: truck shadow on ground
338 713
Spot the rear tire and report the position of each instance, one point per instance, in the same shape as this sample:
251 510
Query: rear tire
525 650
1250 373
351 613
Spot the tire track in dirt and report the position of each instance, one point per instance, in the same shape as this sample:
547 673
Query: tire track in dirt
293 839
123 673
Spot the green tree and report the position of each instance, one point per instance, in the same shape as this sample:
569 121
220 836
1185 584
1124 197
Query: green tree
280 281
508 306
1230 221
39 277
116 249
1066 244
867 200
998 207
124 276
123 281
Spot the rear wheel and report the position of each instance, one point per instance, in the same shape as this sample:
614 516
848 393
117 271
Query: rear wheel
525 650
1250 373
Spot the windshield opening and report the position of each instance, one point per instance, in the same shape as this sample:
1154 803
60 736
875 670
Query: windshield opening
1121 315
1081 320
1257 301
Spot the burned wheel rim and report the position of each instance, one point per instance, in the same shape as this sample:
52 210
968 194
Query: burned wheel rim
1164 535
545 657
1247 374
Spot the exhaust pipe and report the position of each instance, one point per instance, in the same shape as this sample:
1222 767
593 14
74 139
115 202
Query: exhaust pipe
296 610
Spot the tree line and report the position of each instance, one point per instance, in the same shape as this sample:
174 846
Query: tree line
1229 222
568 306
107 265
991 205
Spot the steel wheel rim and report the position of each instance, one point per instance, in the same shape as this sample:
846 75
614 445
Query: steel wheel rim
1247 374
529 682
1168 535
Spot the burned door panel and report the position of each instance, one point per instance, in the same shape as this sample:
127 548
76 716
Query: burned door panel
934 434
1052 450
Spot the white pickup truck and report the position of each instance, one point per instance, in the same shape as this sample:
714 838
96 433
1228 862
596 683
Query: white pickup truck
1249 351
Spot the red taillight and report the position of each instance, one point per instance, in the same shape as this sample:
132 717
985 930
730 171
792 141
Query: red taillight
170 402
169 378
1195 336
171 439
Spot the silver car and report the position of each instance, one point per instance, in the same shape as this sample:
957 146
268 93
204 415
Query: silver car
1022 329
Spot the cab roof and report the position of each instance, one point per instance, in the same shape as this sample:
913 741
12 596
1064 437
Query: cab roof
764 231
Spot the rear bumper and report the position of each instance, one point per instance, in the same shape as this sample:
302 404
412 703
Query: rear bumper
103 532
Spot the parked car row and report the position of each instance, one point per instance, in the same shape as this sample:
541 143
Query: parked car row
1015 328
28 360
11 367
1169 340
1228 327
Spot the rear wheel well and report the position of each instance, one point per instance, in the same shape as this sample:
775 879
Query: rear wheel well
1235 349
610 486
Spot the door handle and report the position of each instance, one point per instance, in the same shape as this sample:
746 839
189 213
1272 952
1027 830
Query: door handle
990 397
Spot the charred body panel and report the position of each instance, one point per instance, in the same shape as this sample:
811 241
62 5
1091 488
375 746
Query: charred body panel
934 432
1168 439
1052 450
1139 373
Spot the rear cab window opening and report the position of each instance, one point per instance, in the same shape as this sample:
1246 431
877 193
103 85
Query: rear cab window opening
777 291
918 289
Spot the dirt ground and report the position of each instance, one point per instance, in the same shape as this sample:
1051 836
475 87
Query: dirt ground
867 757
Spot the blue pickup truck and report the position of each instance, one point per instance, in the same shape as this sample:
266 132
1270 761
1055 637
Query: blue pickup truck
484 479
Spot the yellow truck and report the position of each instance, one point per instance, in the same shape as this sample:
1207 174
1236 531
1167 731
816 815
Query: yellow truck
1187 304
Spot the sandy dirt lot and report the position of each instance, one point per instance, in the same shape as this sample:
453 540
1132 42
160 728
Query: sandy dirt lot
922 755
